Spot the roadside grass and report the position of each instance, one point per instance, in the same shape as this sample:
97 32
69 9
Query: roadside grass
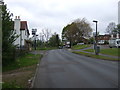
109 51
18 78
16 75
95 56
80 46
26 60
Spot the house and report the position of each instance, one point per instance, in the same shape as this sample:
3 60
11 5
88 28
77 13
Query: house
21 29
105 38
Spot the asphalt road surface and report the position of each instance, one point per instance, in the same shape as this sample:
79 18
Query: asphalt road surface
63 69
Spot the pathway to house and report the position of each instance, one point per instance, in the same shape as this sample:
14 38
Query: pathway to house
101 47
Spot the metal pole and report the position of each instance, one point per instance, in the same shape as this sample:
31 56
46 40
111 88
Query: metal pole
96 34
96 52
35 42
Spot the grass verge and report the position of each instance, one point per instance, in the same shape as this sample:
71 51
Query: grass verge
80 46
16 75
95 56
26 60
109 51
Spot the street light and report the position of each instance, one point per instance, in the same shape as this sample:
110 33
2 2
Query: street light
96 31
97 49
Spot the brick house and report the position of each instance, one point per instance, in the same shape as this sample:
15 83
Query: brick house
106 37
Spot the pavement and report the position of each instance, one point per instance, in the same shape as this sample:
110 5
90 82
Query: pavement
63 69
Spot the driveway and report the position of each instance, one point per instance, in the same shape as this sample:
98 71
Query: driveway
63 69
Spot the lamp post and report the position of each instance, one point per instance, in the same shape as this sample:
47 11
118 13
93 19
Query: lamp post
96 31
97 49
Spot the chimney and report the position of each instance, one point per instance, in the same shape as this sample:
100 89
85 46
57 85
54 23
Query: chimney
15 17
111 35
18 17
117 36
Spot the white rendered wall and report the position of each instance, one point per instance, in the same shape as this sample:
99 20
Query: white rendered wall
24 36
17 30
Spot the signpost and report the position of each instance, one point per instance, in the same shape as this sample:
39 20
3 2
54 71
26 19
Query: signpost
34 35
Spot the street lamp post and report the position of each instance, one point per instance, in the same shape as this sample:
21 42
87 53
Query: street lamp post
97 49
96 31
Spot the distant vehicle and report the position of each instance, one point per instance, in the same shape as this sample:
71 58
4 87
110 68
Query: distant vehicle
67 45
60 47
114 43
80 43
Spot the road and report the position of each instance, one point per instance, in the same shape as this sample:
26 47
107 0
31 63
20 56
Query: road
63 69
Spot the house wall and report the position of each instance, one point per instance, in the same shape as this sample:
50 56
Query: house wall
24 36
17 30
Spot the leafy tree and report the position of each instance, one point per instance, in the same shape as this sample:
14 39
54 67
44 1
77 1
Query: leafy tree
77 31
54 40
8 36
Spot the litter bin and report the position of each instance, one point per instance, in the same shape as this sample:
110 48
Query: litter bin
97 50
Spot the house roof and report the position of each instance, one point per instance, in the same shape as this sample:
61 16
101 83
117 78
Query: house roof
23 26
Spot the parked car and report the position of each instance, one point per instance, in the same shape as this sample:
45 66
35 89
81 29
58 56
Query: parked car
114 43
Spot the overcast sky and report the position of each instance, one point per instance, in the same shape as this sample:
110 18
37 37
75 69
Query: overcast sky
55 14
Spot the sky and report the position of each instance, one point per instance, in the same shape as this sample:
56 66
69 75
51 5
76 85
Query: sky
56 14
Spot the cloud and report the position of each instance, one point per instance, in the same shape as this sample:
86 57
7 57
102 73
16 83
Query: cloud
55 14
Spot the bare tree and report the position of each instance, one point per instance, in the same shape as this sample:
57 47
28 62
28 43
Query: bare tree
46 33
110 28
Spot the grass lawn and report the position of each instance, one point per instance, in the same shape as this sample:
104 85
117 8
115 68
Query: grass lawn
27 60
17 74
80 46
109 51
94 56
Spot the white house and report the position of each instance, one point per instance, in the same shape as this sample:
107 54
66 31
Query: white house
22 31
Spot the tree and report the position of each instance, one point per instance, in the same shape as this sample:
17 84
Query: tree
110 28
77 31
54 40
46 33
8 36
116 30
